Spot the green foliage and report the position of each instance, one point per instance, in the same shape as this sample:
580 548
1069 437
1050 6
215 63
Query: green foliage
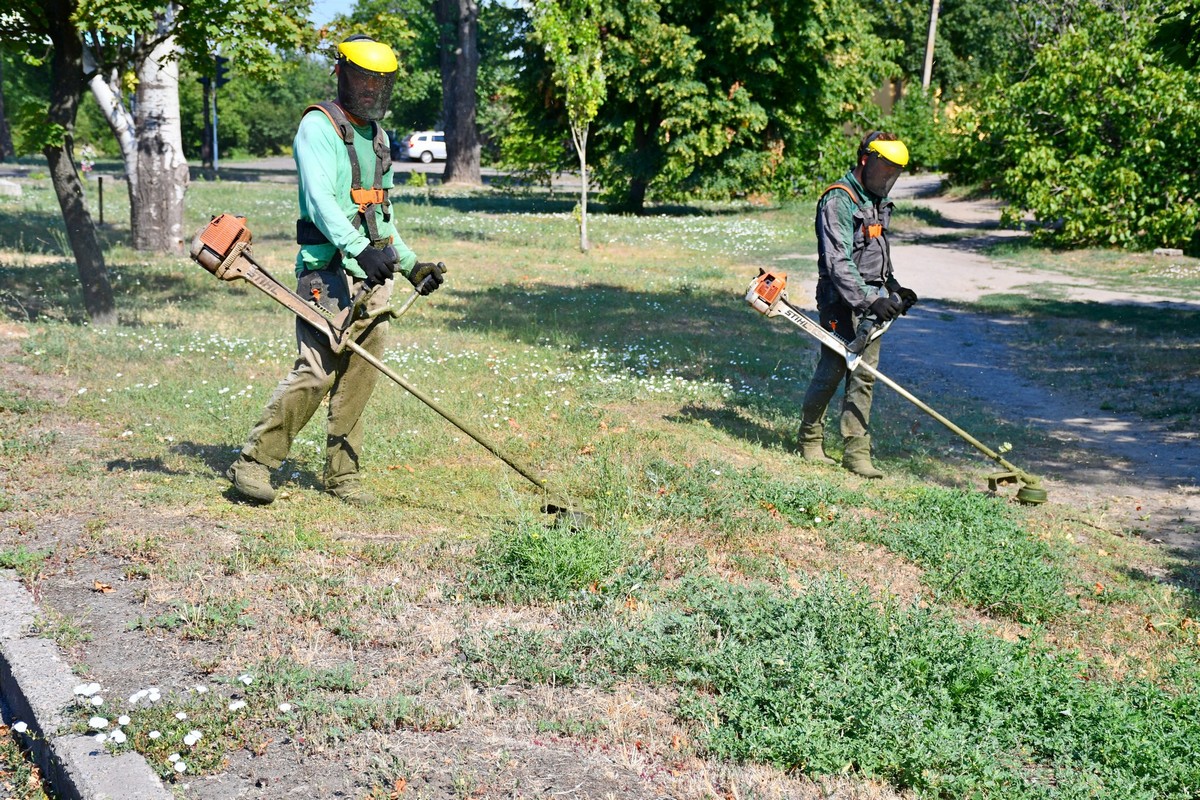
922 125
830 680
717 98
740 503
973 549
258 116
210 620
530 561
1177 33
570 32
27 563
1095 141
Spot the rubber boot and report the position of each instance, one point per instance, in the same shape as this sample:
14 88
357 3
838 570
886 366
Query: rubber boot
251 479
857 457
812 443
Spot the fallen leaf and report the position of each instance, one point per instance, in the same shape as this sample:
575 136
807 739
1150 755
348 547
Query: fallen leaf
586 449
399 787
103 588
603 425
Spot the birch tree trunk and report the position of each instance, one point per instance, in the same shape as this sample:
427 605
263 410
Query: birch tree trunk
162 170
120 121
458 21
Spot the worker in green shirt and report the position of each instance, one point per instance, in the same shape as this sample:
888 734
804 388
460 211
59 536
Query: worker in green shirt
348 247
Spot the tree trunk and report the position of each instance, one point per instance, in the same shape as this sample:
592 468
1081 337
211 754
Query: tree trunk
162 170
65 91
580 136
120 121
458 21
6 143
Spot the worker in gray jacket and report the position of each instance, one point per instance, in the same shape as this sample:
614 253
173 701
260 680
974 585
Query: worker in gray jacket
855 281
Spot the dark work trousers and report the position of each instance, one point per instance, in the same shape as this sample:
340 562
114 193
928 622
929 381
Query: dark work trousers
831 369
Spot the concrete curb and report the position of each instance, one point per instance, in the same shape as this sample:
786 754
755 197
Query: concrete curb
36 685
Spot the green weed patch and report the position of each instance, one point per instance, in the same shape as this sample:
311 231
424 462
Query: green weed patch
530 562
829 680
972 550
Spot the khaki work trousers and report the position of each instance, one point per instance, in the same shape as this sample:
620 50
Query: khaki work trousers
831 369
345 378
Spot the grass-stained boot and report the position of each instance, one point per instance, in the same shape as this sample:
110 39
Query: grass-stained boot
857 457
812 443
251 479
352 492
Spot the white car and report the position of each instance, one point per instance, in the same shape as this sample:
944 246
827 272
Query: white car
424 146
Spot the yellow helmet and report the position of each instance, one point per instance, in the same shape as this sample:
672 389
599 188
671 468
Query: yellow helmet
368 54
894 151
367 72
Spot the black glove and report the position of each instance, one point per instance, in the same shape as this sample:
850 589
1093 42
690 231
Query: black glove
908 299
885 308
379 265
427 276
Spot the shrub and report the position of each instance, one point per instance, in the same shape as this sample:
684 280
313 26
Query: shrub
1096 140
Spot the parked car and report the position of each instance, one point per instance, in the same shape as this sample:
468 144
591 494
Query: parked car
424 146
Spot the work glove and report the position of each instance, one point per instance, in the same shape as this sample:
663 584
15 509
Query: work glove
427 276
885 308
378 265
908 299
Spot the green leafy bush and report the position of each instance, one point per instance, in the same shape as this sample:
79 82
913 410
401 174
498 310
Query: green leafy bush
1097 140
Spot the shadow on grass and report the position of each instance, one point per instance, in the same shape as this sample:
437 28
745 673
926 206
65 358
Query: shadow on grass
43 233
51 290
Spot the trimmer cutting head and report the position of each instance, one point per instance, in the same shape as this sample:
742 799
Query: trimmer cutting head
569 517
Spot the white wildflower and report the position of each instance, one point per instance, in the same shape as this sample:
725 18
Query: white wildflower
97 723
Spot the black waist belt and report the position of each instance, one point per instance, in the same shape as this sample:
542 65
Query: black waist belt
307 232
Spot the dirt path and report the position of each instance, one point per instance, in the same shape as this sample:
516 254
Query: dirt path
1146 477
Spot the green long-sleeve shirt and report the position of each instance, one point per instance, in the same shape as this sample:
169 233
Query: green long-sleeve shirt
324 169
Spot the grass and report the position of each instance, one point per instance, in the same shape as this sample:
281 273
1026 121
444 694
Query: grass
20 779
912 631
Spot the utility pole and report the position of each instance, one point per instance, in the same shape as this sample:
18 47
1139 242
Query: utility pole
206 152
222 78
933 15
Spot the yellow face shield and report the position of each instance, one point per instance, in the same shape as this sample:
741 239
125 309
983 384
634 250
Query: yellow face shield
366 75
895 152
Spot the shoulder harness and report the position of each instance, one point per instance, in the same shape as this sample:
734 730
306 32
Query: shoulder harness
365 199
872 229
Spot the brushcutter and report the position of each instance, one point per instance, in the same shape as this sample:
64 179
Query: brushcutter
223 248
768 295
